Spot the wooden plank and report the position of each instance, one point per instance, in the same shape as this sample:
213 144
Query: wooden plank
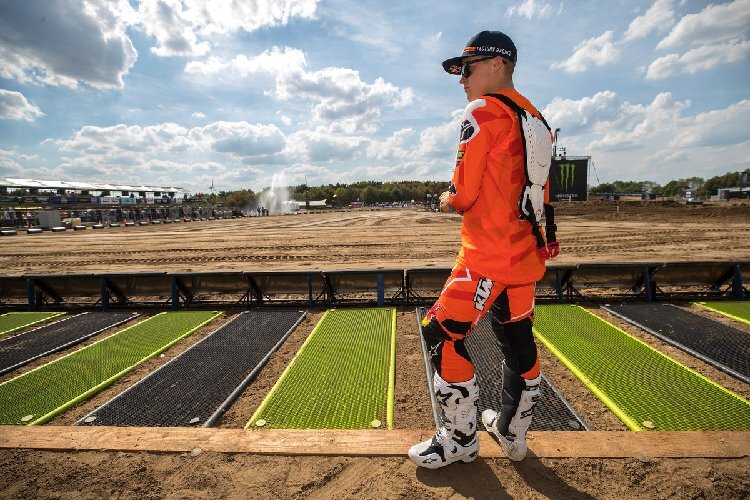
600 444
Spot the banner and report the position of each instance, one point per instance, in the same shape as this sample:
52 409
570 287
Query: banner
568 179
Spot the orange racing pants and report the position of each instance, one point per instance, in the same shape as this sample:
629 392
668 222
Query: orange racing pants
465 299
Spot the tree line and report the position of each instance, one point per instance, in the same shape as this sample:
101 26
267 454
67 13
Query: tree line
674 188
367 192
371 192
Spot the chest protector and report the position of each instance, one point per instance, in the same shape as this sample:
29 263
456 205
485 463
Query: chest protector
537 160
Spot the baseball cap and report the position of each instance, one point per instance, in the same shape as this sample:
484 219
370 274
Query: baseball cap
486 43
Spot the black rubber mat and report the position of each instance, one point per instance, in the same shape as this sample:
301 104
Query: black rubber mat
21 349
196 387
552 413
722 346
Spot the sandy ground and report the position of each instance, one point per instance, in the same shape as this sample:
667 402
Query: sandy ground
599 232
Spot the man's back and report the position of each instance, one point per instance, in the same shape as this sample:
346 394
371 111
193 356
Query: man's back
489 179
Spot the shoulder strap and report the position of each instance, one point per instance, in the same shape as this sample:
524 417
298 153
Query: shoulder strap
516 107
549 211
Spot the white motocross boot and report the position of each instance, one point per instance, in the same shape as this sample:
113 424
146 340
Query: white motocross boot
509 427
457 439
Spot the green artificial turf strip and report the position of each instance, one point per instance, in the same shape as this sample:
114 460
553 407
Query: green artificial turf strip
341 378
37 396
737 310
644 388
13 321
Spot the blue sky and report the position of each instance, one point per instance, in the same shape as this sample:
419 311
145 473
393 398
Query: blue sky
180 92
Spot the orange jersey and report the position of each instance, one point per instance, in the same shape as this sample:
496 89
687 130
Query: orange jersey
487 183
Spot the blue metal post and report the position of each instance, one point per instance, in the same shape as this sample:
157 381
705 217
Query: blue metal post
32 295
647 284
105 294
739 291
175 294
309 291
381 289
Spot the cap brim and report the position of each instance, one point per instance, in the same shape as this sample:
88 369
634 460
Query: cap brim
453 65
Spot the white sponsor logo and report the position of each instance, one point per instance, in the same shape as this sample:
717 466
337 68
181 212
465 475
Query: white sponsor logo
484 287
505 52
434 351
469 126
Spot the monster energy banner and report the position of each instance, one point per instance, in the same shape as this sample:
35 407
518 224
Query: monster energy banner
568 179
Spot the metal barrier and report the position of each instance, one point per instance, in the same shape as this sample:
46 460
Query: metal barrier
715 277
422 283
640 281
613 279
365 285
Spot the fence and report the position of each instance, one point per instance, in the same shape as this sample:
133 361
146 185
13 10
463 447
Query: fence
648 281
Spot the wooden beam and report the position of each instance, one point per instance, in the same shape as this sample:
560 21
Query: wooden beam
599 444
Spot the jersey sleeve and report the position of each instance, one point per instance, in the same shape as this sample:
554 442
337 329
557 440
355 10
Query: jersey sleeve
479 131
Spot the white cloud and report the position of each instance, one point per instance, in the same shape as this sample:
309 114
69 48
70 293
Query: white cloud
339 96
598 51
698 59
659 17
715 23
9 166
322 144
710 143
665 156
241 154
393 147
581 116
223 17
135 144
433 150
719 127
195 176
180 26
285 119
161 151
198 114
123 140
299 173
63 42
274 61
441 141
15 106
167 153
642 137
168 22
239 139
343 99
607 123
664 67
636 124
529 9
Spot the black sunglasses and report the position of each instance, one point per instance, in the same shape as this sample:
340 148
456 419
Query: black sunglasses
466 67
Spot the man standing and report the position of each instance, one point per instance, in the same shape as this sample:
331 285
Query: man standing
498 184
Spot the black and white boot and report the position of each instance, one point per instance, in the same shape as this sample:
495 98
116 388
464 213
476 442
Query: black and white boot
509 427
457 439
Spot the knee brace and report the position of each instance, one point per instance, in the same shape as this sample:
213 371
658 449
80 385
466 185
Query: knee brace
516 341
435 337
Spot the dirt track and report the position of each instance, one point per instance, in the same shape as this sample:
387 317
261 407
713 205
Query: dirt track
602 232
597 232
